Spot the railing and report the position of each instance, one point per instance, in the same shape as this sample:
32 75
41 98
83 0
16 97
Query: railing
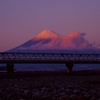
15 57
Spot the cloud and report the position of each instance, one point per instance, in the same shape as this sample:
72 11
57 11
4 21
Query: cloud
83 34
76 40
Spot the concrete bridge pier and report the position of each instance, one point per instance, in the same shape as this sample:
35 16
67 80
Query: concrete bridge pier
69 67
10 69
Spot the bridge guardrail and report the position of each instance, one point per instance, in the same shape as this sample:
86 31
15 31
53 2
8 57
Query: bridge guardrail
52 57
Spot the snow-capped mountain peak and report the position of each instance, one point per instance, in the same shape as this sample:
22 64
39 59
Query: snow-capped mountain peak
47 34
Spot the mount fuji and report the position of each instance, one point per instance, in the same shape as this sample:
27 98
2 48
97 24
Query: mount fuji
49 41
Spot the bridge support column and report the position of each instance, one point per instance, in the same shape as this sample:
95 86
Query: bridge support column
69 67
10 69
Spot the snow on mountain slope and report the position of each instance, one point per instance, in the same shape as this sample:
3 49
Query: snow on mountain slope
47 34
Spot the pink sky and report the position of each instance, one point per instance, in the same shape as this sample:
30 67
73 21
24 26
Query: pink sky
21 20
